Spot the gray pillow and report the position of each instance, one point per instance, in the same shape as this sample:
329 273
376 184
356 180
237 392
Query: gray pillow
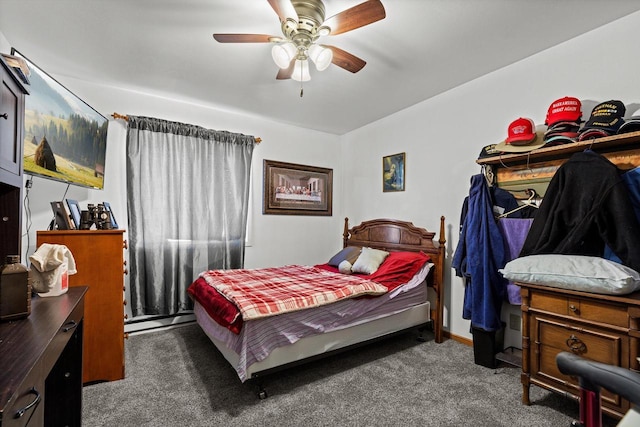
576 272
350 253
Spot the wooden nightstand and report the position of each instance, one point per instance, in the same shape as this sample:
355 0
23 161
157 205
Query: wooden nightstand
603 328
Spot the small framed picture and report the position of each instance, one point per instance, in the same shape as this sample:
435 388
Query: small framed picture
61 219
74 212
107 207
393 172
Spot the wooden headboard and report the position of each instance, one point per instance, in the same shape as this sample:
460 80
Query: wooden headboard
394 235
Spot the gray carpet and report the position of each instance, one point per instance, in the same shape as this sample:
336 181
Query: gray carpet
177 377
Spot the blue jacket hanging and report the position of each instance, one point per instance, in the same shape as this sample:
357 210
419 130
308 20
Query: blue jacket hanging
480 253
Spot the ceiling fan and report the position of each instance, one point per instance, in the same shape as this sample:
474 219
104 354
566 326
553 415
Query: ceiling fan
303 23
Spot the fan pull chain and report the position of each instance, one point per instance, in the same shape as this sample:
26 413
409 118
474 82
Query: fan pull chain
301 83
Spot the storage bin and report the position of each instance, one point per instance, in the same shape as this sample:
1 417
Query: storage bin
486 344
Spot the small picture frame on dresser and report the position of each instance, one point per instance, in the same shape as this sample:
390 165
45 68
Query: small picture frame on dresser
61 220
107 207
74 212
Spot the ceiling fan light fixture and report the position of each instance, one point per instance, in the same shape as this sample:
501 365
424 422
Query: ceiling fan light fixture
321 56
324 31
301 71
283 54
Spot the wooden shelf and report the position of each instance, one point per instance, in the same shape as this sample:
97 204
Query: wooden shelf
613 143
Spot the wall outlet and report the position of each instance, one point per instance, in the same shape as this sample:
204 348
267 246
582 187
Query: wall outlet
515 322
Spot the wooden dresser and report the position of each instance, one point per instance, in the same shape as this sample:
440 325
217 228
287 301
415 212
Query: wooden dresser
41 363
603 328
100 263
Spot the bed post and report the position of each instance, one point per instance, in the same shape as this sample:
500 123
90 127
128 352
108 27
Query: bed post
440 279
345 233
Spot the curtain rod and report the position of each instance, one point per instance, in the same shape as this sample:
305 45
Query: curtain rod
126 118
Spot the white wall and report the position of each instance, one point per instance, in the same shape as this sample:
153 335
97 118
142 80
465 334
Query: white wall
442 137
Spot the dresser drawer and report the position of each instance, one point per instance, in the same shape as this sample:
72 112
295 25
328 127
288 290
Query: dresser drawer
62 337
592 343
581 308
552 337
27 406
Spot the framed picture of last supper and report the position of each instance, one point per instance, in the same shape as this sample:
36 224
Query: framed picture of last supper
291 189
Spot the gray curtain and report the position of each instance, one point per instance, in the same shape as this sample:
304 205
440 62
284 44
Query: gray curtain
187 194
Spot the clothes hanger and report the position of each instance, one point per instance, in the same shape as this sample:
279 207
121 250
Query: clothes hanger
488 173
531 201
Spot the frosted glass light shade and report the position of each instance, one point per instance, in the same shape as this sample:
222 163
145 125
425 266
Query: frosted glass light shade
301 71
321 56
283 54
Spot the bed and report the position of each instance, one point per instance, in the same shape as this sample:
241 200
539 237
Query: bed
256 347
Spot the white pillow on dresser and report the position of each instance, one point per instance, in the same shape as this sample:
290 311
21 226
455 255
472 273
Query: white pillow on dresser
575 272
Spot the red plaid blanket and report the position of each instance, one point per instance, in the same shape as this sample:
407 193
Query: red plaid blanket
269 291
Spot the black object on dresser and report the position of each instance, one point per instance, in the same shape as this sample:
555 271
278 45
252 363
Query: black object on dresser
41 363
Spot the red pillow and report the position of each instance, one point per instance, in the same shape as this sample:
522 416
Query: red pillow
397 269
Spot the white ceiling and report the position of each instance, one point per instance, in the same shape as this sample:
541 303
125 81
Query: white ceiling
165 47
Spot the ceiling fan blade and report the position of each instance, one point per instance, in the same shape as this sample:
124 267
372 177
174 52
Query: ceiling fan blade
284 9
285 73
346 60
244 38
356 17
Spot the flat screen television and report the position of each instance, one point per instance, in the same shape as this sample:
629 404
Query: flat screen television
65 139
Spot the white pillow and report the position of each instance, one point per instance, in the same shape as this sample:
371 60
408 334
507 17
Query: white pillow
345 267
576 272
369 261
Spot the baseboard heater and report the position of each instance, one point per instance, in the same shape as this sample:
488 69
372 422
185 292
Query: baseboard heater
150 323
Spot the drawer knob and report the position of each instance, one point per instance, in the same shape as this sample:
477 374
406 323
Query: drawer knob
576 345
35 401
5 116
573 308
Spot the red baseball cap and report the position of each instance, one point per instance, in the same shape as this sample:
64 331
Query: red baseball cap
518 129
567 109
520 132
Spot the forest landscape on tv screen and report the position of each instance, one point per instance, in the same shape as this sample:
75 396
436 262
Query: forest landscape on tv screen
65 139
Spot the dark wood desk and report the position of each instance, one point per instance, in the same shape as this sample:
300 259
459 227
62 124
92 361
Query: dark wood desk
41 363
